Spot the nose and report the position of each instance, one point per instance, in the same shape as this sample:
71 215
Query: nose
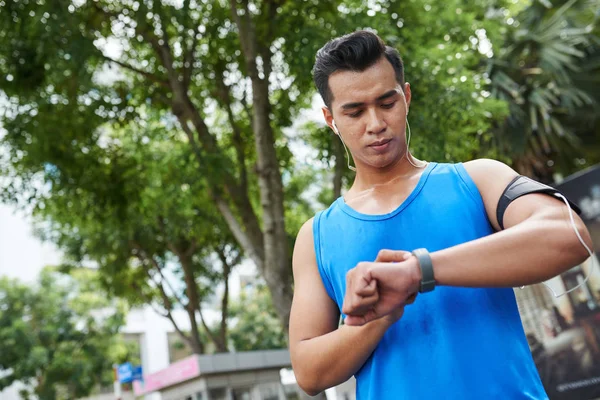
375 122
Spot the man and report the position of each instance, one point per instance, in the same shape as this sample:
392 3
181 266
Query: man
463 340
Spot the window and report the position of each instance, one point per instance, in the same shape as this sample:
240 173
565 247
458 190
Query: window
242 394
269 392
217 394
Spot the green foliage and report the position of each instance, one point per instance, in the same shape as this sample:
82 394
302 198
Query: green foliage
59 336
547 71
137 197
125 120
140 212
451 115
256 326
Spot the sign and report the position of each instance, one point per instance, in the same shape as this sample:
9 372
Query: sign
564 332
125 372
178 372
128 373
137 374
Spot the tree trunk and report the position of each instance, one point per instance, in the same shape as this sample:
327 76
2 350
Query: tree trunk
224 300
267 247
277 269
193 298
277 260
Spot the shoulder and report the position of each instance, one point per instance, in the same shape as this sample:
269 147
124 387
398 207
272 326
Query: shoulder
484 170
486 174
491 178
304 242
306 230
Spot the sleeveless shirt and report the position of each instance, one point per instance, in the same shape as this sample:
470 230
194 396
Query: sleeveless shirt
453 342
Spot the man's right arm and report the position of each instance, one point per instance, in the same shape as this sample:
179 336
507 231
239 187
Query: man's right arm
322 354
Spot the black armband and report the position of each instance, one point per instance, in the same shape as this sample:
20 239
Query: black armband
521 186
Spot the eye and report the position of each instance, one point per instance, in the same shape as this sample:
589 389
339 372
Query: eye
355 114
388 105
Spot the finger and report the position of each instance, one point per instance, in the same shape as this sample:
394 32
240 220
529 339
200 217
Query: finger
392 255
353 320
369 290
411 299
357 305
359 320
358 277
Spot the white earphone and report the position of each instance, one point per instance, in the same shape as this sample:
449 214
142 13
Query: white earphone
337 132
335 128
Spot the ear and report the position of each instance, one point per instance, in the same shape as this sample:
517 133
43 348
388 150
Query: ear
328 118
407 96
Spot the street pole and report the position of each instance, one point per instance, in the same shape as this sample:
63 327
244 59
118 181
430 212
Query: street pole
116 383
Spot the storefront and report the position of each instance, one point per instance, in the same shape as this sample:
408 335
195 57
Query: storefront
228 376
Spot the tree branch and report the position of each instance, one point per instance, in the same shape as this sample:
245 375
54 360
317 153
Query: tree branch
188 62
192 249
145 74
191 290
144 257
245 104
225 299
249 235
224 94
210 333
247 36
168 306
188 58
169 315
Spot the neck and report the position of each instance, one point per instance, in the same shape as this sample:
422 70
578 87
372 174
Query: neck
369 178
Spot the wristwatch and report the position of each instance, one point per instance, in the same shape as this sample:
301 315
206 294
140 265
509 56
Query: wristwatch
427 278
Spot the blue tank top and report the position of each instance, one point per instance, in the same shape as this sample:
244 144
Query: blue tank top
452 343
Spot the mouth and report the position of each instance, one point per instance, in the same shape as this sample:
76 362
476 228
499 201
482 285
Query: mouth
380 144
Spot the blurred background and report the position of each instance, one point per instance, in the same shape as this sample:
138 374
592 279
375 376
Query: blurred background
158 157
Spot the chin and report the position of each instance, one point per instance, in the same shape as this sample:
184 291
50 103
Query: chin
385 162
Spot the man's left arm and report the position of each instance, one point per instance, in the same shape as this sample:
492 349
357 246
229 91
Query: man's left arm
538 241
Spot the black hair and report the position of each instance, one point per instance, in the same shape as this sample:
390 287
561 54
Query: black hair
352 52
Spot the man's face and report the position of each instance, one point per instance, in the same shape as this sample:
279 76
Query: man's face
370 109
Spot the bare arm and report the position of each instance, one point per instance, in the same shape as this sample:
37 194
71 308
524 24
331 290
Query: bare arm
322 354
538 243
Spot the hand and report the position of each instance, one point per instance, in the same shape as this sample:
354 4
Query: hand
381 288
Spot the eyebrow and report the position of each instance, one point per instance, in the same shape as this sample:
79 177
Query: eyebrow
384 96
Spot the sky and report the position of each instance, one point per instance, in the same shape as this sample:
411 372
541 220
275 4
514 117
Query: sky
21 254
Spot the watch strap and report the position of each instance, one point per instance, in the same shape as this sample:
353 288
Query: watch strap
427 277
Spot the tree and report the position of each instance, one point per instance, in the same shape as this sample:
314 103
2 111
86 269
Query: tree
143 217
230 77
185 58
59 335
255 323
546 71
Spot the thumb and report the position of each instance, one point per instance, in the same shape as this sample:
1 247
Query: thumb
392 256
